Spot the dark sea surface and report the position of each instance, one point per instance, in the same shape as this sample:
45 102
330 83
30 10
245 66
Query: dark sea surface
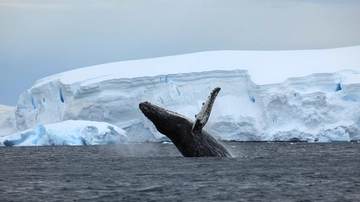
281 171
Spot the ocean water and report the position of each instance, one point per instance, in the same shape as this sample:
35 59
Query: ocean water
279 171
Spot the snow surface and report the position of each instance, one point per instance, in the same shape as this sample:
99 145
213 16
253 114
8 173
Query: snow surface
310 95
67 133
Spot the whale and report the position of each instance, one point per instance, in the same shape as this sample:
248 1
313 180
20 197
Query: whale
188 136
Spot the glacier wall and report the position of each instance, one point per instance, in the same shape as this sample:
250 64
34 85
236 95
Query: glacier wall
323 106
311 95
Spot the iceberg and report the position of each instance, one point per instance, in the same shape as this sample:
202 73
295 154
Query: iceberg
67 133
304 95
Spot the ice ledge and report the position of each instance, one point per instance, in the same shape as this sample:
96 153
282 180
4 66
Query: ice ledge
67 133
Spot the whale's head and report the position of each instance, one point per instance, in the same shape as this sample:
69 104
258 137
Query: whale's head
165 121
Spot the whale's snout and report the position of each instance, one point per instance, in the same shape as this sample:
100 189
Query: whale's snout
146 107
142 106
157 114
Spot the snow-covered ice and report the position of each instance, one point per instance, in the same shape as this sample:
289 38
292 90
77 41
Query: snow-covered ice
310 95
67 133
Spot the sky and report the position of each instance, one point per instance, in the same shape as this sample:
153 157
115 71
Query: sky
39 38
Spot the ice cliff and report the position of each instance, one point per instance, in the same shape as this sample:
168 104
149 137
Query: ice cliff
67 133
266 95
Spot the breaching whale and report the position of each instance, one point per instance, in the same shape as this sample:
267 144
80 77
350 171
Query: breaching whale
188 136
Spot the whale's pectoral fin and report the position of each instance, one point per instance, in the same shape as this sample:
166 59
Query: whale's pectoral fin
202 117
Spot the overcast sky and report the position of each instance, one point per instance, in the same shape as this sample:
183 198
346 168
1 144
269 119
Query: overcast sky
39 38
